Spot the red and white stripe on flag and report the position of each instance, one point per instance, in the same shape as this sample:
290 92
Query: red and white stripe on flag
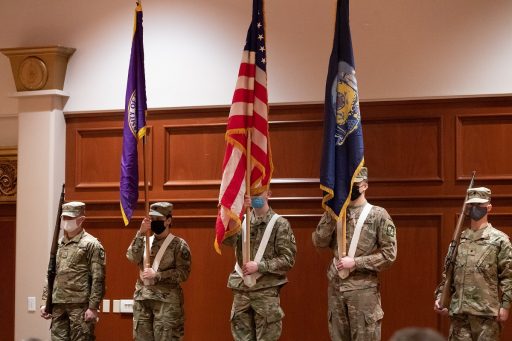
249 110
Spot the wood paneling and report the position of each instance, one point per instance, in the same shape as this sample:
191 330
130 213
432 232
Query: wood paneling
408 286
7 275
420 154
411 146
481 142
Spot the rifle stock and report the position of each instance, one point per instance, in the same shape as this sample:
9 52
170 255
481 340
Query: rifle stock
446 294
52 264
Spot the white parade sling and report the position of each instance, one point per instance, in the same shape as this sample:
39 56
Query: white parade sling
355 238
251 279
159 254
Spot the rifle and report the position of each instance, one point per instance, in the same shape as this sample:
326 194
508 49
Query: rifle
52 264
449 264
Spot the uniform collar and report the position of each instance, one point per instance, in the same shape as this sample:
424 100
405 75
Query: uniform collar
264 219
483 233
354 207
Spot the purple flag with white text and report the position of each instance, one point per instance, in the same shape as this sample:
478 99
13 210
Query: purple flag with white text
134 122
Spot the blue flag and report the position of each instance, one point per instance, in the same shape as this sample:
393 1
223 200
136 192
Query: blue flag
343 150
134 122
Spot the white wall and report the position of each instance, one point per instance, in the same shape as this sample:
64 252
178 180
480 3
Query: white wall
403 49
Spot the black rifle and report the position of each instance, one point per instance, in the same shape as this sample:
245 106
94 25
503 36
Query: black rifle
446 295
52 264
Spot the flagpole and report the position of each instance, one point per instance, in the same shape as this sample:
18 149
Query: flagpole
341 235
246 245
247 241
147 254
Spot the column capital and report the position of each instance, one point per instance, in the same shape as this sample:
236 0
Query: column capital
39 68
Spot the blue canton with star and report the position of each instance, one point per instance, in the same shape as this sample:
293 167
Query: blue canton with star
256 36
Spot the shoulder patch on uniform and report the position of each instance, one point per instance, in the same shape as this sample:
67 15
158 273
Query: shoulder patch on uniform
185 254
390 229
102 254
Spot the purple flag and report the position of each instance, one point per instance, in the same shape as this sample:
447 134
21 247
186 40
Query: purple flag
134 122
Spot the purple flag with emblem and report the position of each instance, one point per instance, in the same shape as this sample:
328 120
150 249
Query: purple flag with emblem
134 122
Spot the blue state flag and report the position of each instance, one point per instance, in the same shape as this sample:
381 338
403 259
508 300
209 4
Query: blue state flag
134 122
343 149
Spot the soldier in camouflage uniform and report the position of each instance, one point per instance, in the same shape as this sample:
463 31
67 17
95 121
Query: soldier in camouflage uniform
256 313
158 312
354 307
482 278
80 280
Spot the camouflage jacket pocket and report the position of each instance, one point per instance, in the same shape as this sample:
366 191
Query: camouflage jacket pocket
375 316
79 256
487 264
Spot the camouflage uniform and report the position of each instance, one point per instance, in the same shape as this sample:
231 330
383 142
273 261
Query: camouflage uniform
79 285
158 309
483 270
256 313
354 307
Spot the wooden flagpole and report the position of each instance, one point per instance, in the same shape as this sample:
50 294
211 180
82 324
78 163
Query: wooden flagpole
246 248
147 259
341 234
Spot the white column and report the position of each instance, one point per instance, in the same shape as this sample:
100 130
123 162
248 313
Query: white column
41 173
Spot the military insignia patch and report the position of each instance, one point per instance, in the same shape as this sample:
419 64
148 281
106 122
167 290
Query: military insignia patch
390 230
185 254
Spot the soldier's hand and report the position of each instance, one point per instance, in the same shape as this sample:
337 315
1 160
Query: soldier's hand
247 201
44 314
249 268
145 226
149 273
502 315
345 263
91 315
439 310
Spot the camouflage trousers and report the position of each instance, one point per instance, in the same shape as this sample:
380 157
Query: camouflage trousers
256 315
354 315
68 323
474 328
158 321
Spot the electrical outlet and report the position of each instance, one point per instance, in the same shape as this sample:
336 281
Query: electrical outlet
105 307
31 303
116 306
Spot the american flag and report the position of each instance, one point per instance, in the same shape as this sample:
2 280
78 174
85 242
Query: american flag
249 111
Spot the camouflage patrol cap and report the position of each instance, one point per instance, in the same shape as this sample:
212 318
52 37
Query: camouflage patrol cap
478 195
160 209
73 209
362 175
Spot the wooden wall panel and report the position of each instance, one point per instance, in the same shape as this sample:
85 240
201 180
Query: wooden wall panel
181 167
98 157
298 155
7 275
404 149
481 142
408 286
420 155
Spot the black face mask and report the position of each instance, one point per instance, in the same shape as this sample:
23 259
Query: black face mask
157 226
476 213
355 193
